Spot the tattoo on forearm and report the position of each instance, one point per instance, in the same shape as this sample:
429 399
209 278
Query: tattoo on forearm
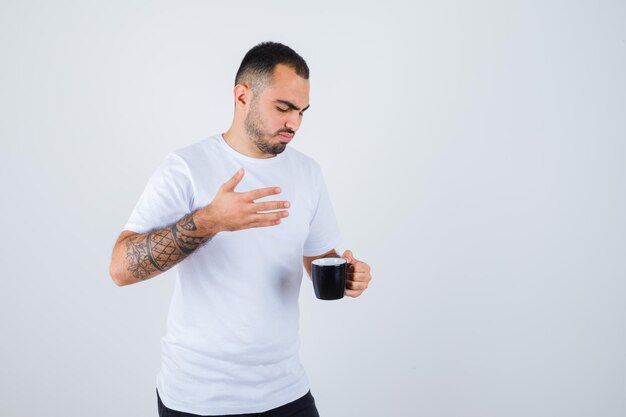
138 264
184 240
162 249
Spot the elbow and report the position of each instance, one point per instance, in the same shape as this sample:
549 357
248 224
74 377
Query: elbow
118 276
118 269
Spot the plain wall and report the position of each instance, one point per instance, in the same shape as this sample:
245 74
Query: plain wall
475 153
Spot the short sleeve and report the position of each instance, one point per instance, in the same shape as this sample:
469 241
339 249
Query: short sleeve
167 197
324 233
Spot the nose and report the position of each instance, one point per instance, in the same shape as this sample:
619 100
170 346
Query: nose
293 121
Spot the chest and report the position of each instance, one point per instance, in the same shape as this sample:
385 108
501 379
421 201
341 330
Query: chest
286 238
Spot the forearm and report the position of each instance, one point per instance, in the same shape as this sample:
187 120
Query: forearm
137 257
143 256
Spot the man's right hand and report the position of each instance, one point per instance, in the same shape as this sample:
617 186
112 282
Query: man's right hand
231 210
137 257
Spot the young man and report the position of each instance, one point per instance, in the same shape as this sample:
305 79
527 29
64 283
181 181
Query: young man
231 345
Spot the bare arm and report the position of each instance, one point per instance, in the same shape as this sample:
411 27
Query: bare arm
137 257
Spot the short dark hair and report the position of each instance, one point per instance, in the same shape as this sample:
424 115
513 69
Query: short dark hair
259 62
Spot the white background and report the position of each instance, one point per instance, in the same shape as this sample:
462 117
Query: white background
475 153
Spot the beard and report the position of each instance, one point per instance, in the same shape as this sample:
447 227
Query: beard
255 130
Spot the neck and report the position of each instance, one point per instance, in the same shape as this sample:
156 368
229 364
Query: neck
238 139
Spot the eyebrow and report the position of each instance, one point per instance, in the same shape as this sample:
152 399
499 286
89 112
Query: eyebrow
291 105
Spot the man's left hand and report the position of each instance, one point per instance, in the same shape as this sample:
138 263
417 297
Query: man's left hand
358 275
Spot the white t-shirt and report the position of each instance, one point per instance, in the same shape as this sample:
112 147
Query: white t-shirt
232 343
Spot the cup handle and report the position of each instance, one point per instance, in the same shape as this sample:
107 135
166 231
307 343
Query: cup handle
348 265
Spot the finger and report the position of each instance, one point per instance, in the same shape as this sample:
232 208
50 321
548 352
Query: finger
360 266
266 223
270 205
354 285
261 192
353 293
347 255
360 276
233 181
274 215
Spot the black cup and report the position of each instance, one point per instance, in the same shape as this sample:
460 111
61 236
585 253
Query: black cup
329 277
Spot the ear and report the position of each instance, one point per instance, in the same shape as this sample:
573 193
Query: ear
243 95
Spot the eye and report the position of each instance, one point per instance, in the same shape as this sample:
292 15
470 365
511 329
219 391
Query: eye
280 109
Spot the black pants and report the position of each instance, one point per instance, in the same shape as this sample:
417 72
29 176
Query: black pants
302 407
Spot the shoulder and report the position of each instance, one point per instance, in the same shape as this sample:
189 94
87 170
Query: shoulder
196 157
182 165
198 151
